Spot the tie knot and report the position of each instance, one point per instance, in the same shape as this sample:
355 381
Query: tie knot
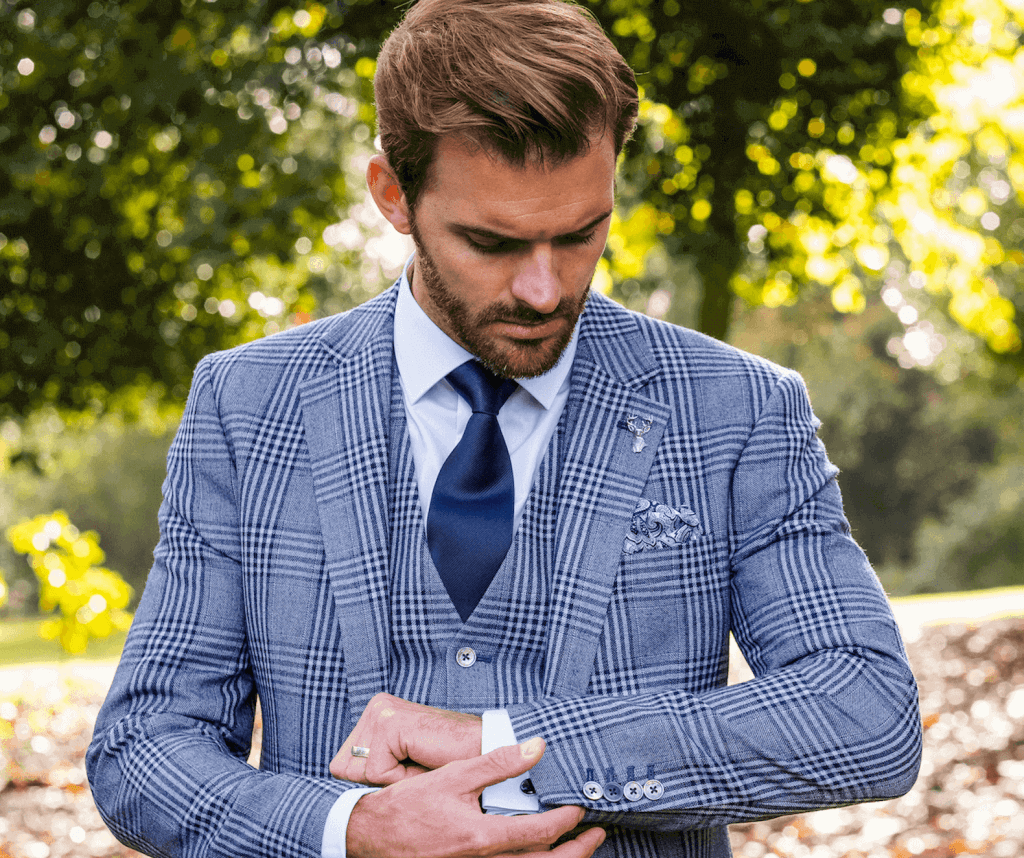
480 387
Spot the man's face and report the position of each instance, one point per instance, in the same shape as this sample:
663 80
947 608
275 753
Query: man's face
505 255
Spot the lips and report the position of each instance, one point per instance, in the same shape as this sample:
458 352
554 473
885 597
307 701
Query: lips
532 330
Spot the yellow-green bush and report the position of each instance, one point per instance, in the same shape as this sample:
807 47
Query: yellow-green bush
87 600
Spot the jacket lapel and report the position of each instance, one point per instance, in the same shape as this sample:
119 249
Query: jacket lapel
345 414
602 479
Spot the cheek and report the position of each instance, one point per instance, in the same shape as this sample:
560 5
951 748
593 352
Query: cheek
477 280
584 266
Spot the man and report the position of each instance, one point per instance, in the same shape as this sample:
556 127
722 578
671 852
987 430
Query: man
637 493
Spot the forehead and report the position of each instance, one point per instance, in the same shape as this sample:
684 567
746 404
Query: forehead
539 199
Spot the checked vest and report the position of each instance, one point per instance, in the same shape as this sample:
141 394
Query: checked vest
496 657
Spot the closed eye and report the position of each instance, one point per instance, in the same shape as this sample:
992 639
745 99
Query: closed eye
512 246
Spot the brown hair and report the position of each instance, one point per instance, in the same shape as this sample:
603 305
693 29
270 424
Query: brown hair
528 79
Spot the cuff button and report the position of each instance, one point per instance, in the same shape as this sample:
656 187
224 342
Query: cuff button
613 792
633 791
654 790
592 790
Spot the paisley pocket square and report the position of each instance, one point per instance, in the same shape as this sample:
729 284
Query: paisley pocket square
656 525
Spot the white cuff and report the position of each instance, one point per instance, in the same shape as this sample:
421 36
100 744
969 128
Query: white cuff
506 798
333 844
497 730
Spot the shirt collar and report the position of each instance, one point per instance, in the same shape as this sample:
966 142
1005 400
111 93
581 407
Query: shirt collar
416 335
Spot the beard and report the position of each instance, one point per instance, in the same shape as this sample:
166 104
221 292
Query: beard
506 359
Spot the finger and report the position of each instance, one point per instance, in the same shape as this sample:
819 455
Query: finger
371 732
581 847
346 766
538 831
501 764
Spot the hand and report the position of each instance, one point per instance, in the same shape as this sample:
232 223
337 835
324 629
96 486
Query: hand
405 739
438 815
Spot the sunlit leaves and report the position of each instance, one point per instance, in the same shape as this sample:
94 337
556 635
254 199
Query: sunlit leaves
958 178
89 600
156 150
766 92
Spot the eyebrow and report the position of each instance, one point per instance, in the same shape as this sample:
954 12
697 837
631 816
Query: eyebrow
497 236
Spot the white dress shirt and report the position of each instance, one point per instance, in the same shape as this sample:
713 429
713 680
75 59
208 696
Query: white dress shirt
436 417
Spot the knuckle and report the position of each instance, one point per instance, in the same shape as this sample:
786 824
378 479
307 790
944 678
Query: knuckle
381 698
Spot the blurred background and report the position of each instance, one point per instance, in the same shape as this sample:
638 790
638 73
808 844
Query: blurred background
834 184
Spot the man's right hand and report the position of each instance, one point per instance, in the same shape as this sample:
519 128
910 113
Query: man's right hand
437 815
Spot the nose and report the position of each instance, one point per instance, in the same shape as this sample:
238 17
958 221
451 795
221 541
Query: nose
536 283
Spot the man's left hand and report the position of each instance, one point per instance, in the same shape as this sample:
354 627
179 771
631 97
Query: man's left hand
405 739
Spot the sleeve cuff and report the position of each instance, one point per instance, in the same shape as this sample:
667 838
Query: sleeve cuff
515 796
333 844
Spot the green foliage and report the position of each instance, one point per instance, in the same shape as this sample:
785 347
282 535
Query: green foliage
179 177
167 171
955 203
927 468
89 600
105 471
761 96
22 643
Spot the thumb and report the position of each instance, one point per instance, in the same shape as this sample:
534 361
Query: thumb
502 763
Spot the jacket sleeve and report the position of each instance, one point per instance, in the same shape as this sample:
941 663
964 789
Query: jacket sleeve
167 762
831 715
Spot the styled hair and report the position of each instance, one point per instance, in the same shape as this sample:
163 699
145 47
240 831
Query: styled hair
532 80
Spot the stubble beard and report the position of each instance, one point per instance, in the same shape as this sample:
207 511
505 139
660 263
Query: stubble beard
518 359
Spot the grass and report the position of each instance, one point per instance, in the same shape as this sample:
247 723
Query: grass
21 643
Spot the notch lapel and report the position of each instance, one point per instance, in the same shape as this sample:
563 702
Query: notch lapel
345 413
601 481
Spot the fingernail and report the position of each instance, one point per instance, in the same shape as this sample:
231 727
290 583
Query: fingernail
531 747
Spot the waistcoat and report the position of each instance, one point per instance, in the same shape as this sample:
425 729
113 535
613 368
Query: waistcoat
496 657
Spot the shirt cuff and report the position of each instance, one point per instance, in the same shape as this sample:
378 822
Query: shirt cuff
511 797
333 844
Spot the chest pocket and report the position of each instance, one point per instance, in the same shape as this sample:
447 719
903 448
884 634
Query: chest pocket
667 621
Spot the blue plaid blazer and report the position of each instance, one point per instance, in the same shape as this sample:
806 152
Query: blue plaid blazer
271 579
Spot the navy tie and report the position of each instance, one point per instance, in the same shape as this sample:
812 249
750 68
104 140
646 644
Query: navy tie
469 526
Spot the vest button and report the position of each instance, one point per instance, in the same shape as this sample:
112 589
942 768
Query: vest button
466 657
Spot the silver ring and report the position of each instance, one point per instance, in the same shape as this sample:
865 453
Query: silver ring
360 751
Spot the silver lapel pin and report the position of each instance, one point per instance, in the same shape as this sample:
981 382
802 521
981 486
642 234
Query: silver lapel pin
639 425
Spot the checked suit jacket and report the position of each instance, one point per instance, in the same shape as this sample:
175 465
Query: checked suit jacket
271 580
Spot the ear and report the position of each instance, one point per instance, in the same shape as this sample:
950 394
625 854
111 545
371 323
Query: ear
387 194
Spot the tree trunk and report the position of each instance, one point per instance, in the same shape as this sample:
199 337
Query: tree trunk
718 299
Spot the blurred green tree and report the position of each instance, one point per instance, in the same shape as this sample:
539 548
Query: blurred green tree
179 177
750 110
85 599
167 171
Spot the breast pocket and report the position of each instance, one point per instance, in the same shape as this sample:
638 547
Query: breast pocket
670 613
